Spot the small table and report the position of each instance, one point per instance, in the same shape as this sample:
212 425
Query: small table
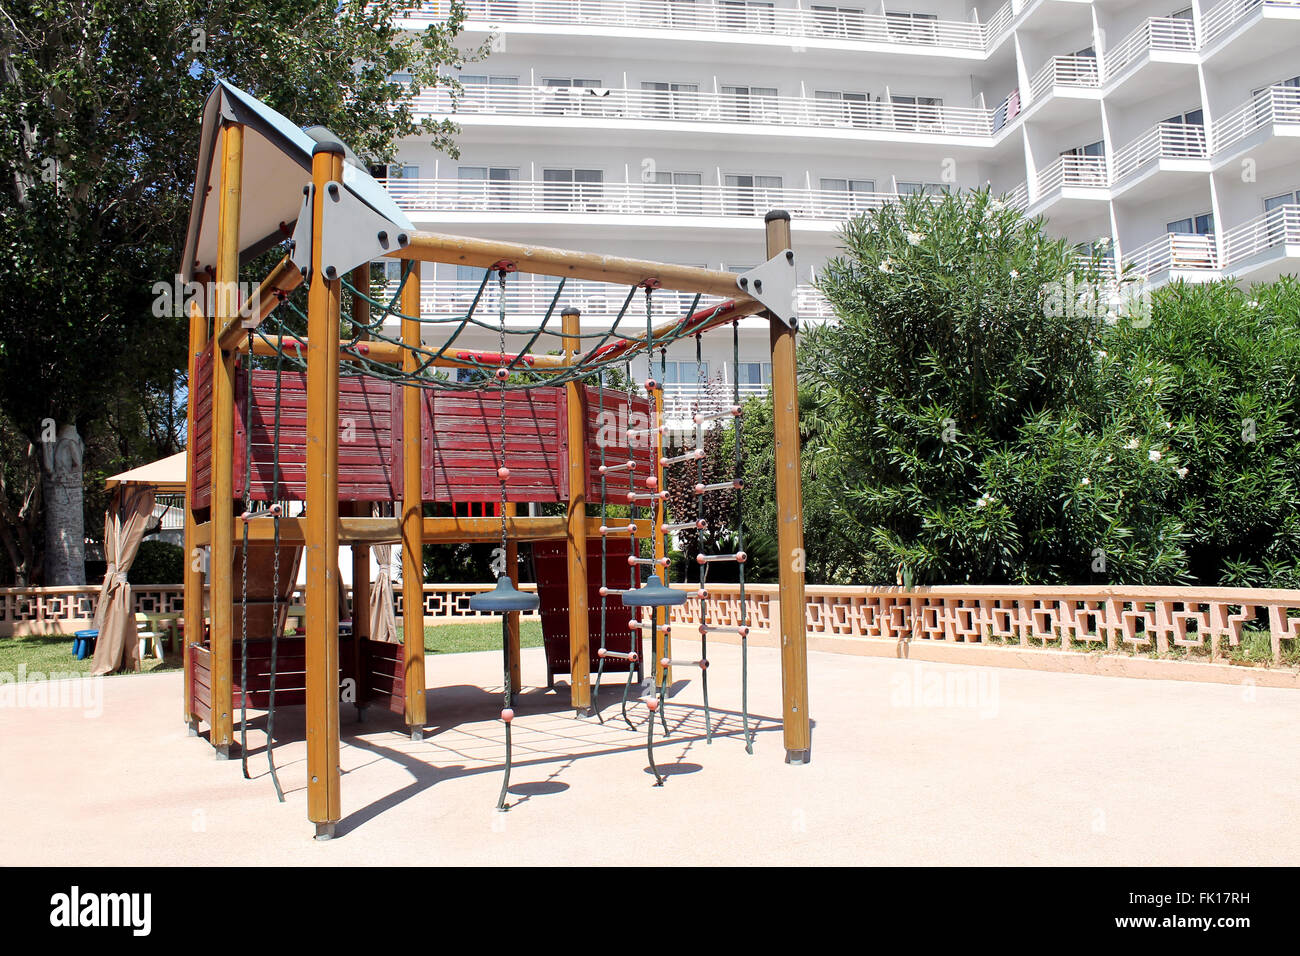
171 621
83 643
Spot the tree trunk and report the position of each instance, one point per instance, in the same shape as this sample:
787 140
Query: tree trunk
65 531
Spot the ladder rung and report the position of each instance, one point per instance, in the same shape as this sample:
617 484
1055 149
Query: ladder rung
655 430
697 525
707 629
739 557
610 469
735 483
633 560
731 411
272 512
688 456
614 592
670 662
619 655
644 626
646 495
618 529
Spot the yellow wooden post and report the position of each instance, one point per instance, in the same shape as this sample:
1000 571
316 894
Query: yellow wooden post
412 516
660 644
789 509
360 550
322 519
512 619
576 540
193 573
222 445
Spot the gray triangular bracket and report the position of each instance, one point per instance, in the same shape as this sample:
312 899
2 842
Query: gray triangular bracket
300 246
773 284
352 233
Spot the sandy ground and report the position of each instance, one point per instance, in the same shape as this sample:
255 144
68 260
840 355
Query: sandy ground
913 763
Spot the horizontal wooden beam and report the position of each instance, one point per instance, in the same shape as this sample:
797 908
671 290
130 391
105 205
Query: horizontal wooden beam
284 278
436 530
390 353
543 260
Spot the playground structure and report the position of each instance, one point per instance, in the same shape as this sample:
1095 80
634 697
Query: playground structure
342 424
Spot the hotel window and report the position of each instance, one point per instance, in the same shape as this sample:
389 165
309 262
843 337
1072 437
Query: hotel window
921 189
839 21
685 373
852 108
748 103
663 99
486 187
748 195
856 195
572 190
919 112
1285 199
1184 14
687 201
754 373
1202 225
1275 224
1089 168
913 27
403 171
750 15
1190 118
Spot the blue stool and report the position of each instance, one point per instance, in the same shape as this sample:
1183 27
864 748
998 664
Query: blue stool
83 643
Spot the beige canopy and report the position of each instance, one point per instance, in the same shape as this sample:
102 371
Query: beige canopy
166 476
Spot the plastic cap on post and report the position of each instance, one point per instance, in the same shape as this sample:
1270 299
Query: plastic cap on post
776 214
504 598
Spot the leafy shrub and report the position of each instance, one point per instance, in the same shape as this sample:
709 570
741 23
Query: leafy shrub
158 562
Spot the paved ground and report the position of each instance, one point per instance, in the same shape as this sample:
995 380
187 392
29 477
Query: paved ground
913 763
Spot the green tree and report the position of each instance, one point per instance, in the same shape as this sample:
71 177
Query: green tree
99 122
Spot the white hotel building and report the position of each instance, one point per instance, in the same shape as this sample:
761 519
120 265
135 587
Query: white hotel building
664 129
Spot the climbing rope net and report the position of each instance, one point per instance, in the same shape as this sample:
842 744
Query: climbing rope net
603 355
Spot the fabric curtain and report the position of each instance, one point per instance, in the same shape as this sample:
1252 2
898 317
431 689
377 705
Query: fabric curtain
383 625
117 647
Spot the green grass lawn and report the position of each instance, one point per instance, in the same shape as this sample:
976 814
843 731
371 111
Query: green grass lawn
53 655
475 636
35 658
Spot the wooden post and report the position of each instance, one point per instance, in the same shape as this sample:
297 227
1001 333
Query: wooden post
322 519
789 509
193 573
660 645
221 568
412 517
512 619
360 550
576 539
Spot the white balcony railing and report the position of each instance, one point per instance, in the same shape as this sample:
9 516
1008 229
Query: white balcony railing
1277 227
688 107
683 401
638 15
1225 16
1174 251
1072 170
528 299
1155 33
1162 141
1078 72
1276 104
642 199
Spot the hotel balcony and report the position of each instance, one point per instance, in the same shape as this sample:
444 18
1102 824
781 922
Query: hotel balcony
1265 247
1264 126
453 200
683 20
1266 27
671 111
529 299
1175 148
1071 185
1151 60
1074 81
1176 256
